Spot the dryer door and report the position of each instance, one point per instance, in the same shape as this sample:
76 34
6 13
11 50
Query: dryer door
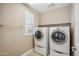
59 37
38 35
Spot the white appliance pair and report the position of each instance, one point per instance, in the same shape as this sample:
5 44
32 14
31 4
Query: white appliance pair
53 41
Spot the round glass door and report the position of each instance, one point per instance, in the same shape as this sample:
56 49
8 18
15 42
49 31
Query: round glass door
58 37
38 35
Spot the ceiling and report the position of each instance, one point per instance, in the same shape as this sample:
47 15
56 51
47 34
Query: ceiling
45 7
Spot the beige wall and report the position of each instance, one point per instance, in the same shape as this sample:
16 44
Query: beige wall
0 28
13 40
61 15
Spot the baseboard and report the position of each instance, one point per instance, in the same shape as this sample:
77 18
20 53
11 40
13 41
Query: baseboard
27 52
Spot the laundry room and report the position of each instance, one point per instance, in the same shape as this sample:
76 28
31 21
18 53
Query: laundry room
39 29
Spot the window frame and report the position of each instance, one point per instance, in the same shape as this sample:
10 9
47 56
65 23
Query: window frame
27 25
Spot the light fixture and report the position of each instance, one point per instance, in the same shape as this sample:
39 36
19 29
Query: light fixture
51 4
32 3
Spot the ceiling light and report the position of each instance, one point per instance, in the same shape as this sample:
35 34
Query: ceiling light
32 3
51 4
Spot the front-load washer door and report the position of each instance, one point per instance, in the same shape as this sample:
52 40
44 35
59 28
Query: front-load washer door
59 37
38 35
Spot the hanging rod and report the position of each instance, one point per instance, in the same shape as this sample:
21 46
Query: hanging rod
11 27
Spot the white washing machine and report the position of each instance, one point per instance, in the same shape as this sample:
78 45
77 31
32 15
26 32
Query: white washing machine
59 37
41 40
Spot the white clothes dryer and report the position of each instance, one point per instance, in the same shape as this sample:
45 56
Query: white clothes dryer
59 37
41 40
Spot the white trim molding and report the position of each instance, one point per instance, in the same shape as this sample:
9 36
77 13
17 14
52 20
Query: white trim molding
25 54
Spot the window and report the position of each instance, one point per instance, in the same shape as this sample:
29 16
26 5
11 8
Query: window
29 23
